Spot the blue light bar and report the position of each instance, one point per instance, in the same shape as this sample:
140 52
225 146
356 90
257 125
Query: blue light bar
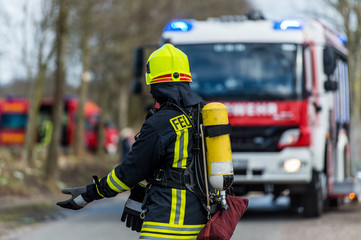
179 25
342 39
288 24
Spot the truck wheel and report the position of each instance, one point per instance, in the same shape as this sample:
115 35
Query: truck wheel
313 200
296 202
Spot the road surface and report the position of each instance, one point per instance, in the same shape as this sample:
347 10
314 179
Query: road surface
263 220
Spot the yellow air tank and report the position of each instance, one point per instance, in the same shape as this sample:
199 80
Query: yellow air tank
218 148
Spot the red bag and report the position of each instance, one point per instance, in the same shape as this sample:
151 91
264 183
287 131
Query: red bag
223 223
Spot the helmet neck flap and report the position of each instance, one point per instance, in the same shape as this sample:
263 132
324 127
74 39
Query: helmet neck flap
180 93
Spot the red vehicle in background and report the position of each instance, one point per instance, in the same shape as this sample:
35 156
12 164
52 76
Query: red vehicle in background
13 119
92 114
14 116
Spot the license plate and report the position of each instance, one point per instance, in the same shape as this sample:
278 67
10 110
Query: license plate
240 164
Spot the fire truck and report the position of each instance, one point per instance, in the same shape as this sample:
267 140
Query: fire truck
285 84
14 115
91 114
13 119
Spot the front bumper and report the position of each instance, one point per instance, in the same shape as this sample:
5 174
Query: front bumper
267 168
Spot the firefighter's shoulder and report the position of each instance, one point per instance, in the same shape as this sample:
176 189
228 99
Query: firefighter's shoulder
168 120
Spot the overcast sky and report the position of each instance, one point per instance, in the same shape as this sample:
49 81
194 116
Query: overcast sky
279 9
11 14
12 36
276 9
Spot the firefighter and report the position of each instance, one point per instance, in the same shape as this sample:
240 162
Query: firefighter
163 155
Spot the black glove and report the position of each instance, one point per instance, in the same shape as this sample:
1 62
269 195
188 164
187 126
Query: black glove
80 197
133 208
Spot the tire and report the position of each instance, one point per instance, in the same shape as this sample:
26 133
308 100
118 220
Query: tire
313 200
296 202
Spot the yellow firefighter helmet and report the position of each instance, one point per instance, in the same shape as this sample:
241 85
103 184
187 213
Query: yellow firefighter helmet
168 64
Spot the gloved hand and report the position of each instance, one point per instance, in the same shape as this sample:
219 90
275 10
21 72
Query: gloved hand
78 200
133 208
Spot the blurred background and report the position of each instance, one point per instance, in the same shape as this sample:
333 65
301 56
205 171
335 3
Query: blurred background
66 69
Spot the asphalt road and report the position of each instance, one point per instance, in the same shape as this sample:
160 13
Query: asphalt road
263 220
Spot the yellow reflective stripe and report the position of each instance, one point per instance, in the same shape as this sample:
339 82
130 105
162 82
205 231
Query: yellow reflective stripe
141 184
185 149
173 207
115 184
182 207
172 225
170 231
181 124
178 206
164 236
176 149
181 149
96 187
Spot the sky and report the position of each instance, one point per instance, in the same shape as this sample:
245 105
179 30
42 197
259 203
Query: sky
13 33
8 15
11 36
276 9
280 9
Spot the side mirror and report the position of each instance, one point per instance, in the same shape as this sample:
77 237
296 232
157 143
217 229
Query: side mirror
138 66
330 85
329 60
329 65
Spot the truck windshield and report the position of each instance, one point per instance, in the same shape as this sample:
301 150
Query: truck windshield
252 71
13 121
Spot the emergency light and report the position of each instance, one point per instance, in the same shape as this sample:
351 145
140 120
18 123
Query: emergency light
179 25
288 24
342 39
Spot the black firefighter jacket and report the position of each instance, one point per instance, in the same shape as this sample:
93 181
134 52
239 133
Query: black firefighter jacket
165 138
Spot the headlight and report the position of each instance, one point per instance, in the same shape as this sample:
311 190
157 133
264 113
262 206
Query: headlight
292 165
289 137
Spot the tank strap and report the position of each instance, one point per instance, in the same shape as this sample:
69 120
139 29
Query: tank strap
217 130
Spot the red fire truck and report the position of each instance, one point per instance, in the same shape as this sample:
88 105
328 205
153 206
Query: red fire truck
14 115
286 87
92 113
13 119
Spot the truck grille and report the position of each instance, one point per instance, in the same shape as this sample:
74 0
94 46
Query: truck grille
257 139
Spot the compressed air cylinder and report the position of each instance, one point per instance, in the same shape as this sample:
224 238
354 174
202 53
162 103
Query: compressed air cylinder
218 148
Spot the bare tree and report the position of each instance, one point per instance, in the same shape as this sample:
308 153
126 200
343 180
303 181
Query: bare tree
43 60
84 30
61 43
